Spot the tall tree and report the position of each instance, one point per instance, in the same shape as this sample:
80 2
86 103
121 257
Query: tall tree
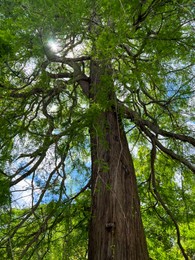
94 79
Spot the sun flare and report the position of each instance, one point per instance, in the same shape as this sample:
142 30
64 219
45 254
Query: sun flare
54 45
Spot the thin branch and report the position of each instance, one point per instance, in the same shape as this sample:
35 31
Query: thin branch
159 198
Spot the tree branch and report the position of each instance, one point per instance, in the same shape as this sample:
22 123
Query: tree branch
147 126
135 117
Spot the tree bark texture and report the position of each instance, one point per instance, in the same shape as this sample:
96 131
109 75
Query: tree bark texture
116 230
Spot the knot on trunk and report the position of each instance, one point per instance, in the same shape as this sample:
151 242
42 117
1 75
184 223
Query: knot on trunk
110 226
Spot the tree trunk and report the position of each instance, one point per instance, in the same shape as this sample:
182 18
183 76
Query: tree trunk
116 230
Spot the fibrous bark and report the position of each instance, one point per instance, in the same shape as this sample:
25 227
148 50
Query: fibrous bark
116 230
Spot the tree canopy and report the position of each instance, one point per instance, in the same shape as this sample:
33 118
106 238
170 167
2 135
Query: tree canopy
48 50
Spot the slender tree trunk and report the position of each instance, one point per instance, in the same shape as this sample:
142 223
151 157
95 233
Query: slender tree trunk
116 230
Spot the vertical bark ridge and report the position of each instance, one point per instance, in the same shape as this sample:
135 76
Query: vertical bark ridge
116 230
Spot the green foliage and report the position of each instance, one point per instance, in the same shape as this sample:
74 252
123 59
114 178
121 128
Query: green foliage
175 192
146 53
4 192
5 48
64 231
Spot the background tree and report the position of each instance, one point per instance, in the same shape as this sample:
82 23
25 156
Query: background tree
91 93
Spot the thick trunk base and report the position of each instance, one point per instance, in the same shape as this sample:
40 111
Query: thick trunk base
116 230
